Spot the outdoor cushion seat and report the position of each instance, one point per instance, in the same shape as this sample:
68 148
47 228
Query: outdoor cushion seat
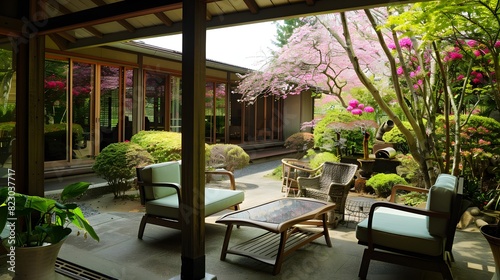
421 238
215 201
160 191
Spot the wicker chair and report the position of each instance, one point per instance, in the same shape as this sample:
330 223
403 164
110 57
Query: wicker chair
292 169
333 184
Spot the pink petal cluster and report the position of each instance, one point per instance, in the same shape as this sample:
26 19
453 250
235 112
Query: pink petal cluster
357 108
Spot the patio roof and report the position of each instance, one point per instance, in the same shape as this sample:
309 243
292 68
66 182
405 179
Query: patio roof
84 23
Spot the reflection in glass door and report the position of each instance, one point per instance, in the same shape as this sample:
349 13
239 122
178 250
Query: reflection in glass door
154 110
82 108
109 106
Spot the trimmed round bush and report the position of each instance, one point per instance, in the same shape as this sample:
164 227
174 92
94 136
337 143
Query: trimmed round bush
300 142
117 164
231 156
162 145
382 183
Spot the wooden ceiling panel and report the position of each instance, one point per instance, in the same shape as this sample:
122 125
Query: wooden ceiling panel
110 27
145 21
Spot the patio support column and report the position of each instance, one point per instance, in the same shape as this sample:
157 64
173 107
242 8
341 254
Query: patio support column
193 135
28 152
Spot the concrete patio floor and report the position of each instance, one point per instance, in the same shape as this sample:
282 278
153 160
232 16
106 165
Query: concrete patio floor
122 255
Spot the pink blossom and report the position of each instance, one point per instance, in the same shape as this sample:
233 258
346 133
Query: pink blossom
391 46
472 43
413 74
476 81
361 106
353 103
50 84
369 109
400 70
477 53
455 56
349 108
497 44
460 77
405 43
479 75
357 111
484 142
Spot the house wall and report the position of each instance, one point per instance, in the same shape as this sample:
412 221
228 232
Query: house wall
296 110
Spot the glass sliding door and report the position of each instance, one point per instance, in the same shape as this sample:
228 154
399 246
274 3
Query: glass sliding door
55 101
109 105
220 112
209 113
83 94
128 104
154 103
175 104
7 108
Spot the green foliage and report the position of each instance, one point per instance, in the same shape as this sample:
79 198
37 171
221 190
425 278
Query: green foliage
162 145
300 142
46 220
413 198
318 159
8 129
382 183
285 30
232 156
409 169
326 131
480 146
395 136
117 164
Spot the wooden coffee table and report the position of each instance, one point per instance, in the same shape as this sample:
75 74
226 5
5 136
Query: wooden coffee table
280 218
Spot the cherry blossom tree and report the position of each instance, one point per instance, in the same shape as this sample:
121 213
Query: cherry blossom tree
311 60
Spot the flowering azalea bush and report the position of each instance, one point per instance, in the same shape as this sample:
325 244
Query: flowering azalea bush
357 108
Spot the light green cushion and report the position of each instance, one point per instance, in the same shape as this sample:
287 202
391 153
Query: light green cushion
165 172
216 200
401 230
440 199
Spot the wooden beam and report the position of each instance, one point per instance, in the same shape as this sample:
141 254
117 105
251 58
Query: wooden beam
252 6
310 2
122 22
64 10
10 26
67 36
108 13
59 41
164 18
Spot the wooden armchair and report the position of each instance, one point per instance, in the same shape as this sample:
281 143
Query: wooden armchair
421 238
333 185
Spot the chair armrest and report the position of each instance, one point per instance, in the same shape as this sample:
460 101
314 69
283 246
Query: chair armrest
227 173
143 185
405 208
395 188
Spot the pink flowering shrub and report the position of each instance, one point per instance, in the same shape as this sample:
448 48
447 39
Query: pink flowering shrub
357 108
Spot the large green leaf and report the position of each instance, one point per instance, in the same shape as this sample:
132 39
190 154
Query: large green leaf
80 221
74 190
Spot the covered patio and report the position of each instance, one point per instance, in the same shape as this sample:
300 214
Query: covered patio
24 27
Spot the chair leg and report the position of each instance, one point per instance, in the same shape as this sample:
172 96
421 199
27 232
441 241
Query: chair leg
142 226
445 271
365 263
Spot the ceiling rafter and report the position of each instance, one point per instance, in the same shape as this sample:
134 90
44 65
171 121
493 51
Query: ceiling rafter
10 26
65 11
67 36
61 42
122 22
252 6
108 13
164 18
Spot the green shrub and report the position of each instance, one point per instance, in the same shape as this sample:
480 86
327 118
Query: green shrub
413 198
231 156
395 136
117 164
382 183
162 145
300 142
319 158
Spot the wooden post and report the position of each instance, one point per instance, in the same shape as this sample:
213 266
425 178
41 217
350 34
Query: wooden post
193 135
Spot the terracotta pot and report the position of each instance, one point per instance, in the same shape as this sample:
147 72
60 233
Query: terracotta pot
37 262
494 241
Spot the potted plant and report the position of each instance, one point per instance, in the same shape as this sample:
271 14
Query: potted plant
492 235
37 227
